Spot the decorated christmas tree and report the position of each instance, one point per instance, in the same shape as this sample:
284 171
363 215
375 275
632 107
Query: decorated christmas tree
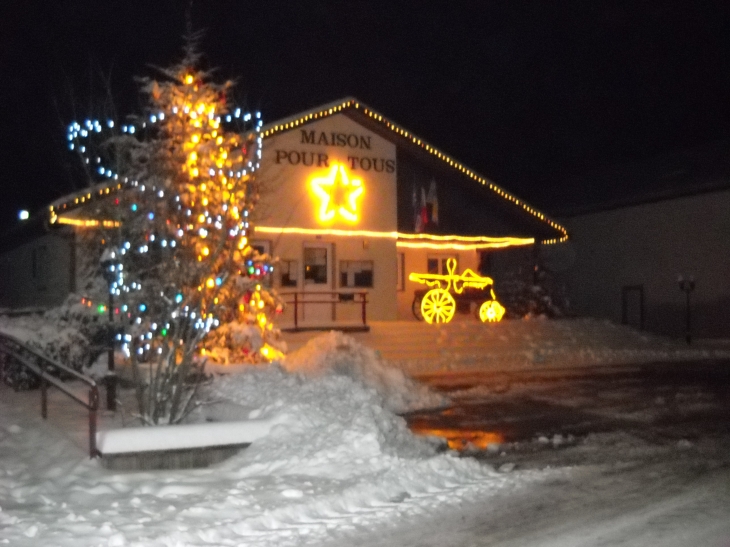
176 249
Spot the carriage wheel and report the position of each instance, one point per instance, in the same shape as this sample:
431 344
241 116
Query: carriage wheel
416 307
438 306
491 311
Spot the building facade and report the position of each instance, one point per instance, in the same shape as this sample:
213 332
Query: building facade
628 262
37 268
351 204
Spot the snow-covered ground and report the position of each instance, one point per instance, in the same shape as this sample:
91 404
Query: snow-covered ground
536 345
341 467
338 461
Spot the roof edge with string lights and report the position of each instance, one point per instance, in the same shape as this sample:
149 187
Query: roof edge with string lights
337 107
324 111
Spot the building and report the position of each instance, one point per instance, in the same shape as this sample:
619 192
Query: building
627 256
37 265
351 204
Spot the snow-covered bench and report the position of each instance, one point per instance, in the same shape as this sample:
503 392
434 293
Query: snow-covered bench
177 446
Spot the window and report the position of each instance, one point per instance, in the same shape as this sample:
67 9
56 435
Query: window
433 265
356 273
263 247
437 264
289 272
315 265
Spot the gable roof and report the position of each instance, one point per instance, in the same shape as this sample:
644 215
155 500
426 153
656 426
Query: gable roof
399 135
377 122
675 174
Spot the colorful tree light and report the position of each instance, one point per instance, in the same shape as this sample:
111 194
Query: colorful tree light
187 167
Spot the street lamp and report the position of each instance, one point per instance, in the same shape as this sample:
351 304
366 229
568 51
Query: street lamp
687 286
109 267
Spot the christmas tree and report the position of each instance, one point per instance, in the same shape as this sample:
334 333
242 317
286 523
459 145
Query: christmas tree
176 248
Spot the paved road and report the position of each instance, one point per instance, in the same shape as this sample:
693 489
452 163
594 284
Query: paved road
629 456
686 400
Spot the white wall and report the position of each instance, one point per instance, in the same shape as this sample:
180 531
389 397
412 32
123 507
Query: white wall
291 159
286 198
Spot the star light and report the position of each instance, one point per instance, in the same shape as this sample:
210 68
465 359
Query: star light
338 194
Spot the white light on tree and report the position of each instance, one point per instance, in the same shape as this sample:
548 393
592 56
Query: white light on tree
185 263
23 214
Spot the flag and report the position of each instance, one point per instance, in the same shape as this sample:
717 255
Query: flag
416 211
424 210
433 200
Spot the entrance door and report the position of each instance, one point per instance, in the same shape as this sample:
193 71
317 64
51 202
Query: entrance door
318 280
632 306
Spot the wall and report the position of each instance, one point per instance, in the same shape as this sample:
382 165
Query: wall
651 245
291 160
381 304
39 273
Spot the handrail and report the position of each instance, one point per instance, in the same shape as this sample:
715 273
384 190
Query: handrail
337 297
68 370
39 369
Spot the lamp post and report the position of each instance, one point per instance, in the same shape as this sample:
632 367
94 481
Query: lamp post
109 269
687 286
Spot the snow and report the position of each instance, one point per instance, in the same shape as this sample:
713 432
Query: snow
32 327
539 345
142 439
336 462
57 339
339 466
338 353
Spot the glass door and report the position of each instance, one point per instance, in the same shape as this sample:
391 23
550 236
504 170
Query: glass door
318 278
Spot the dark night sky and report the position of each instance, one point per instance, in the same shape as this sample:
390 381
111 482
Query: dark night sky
527 92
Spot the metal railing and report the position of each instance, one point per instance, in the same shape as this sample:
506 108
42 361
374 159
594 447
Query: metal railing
38 364
301 299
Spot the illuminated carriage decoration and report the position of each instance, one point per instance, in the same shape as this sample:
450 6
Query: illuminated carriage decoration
438 304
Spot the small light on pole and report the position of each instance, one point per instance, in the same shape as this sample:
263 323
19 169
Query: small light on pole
23 214
687 286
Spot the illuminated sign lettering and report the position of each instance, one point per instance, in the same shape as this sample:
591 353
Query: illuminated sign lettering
350 140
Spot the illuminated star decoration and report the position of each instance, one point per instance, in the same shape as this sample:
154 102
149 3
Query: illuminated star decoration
338 194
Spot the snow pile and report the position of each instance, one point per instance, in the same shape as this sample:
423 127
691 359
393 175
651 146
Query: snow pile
331 419
334 433
335 462
337 353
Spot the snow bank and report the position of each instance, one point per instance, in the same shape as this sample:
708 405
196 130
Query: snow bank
332 420
58 340
534 344
337 353
337 461
334 462
339 450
